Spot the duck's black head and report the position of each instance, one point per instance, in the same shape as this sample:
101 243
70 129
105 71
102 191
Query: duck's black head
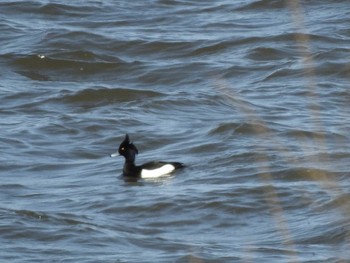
128 149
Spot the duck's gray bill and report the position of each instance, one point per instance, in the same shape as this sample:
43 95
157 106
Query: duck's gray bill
114 154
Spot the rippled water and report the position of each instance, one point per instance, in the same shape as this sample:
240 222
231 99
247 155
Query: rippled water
252 95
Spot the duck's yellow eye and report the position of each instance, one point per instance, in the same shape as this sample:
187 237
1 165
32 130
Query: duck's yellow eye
122 149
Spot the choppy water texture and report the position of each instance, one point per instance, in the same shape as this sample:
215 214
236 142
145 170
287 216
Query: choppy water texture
252 95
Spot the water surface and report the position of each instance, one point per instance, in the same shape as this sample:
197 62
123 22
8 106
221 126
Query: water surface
252 95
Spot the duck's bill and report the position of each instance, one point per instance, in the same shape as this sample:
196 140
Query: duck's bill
114 154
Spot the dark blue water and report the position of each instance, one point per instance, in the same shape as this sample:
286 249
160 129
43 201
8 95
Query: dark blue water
252 95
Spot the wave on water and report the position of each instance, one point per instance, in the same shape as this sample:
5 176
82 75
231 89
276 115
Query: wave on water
105 96
51 9
68 66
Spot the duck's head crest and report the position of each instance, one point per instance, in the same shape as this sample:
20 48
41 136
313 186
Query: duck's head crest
127 147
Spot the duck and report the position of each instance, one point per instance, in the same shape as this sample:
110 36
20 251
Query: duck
152 169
